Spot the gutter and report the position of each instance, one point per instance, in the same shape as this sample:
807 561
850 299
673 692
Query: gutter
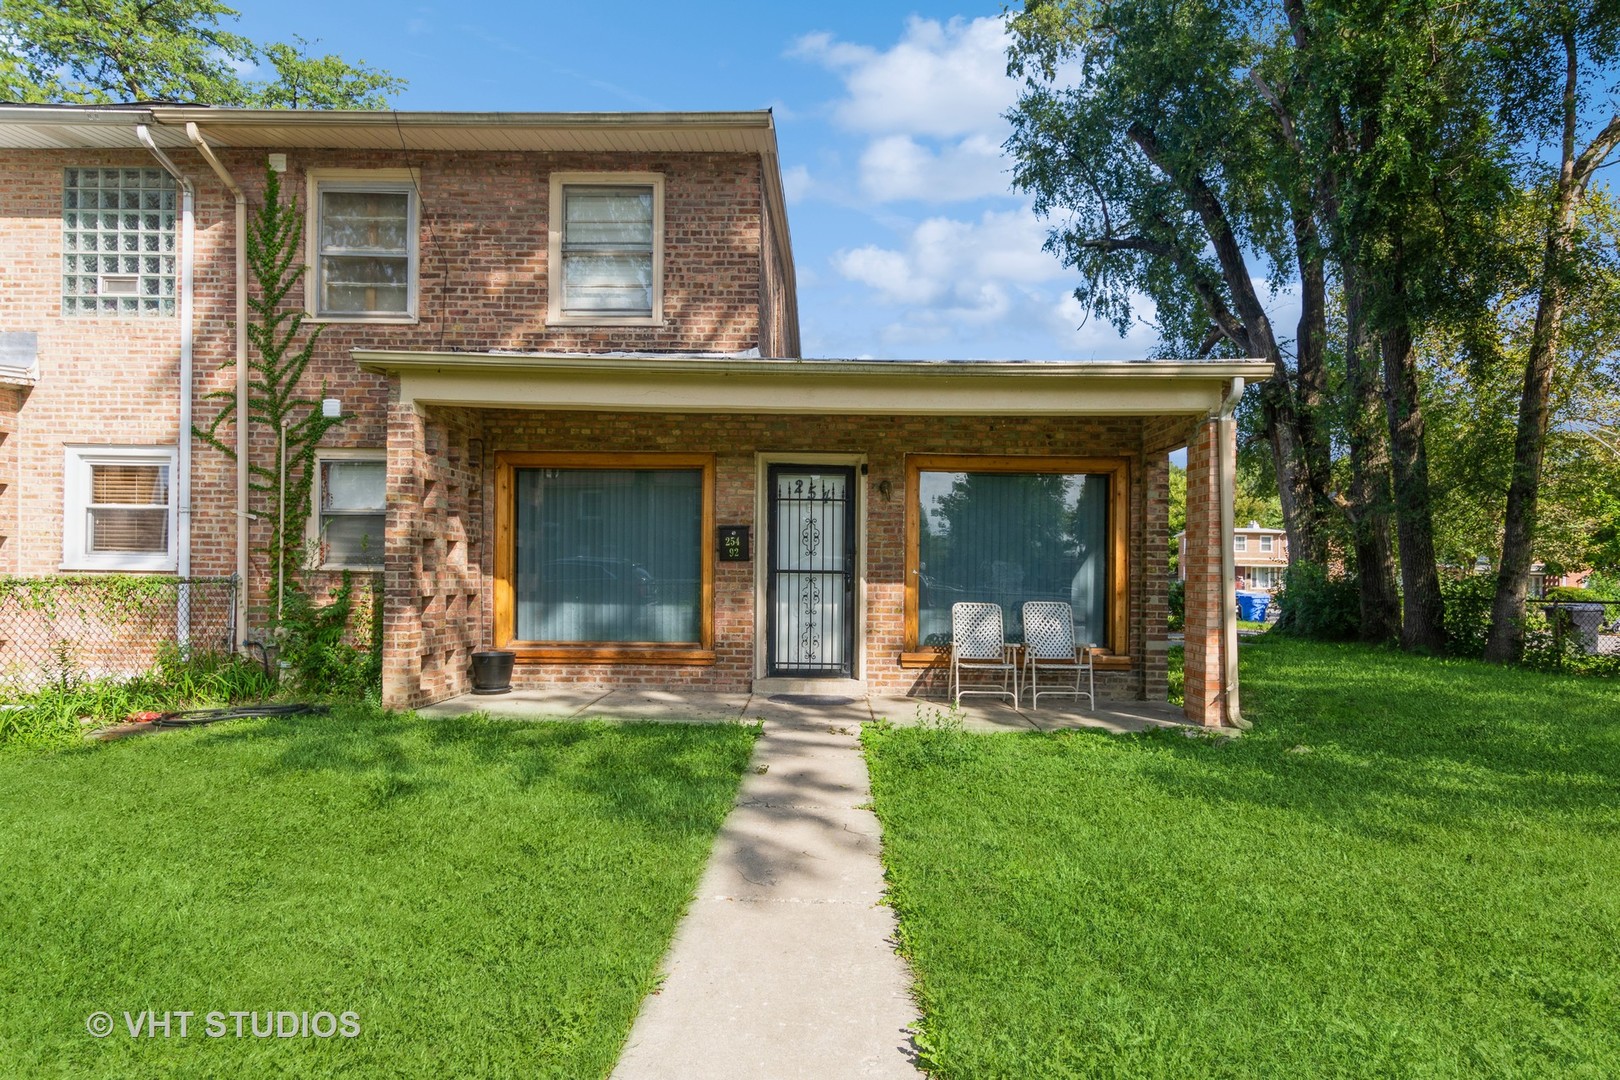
1226 458
188 262
242 515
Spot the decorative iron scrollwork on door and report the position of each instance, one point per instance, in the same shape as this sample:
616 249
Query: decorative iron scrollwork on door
811 568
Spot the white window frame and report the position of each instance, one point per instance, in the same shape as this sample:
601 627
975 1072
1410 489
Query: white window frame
312 527
76 466
1267 543
1240 543
555 316
407 181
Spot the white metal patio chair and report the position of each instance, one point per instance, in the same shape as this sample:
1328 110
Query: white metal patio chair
1049 646
979 644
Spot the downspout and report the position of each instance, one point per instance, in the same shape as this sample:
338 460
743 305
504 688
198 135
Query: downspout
242 515
188 241
1226 481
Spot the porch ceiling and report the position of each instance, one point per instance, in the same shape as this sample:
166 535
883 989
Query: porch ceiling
709 384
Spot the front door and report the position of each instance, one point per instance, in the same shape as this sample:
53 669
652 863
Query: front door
810 580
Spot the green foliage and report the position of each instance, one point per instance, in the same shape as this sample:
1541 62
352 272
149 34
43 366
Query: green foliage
121 600
1570 593
102 51
69 704
318 642
1318 605
1178 604
1468 612
276 366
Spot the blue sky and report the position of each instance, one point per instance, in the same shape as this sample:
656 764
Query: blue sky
908 240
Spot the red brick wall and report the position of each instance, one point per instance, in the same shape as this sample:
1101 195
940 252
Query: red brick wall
483 285
735 440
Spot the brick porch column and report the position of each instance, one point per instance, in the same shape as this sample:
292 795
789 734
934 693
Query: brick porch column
402 615
1203 665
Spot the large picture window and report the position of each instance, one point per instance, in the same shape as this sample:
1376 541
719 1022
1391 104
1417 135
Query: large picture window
1011 530
606 555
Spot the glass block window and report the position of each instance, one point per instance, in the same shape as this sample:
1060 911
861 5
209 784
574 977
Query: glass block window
119 243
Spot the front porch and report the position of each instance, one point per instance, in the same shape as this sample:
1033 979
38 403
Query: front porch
731 526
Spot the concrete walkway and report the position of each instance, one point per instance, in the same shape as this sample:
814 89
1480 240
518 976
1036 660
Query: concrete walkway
785 965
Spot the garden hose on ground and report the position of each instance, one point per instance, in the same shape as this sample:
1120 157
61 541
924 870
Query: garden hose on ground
198 717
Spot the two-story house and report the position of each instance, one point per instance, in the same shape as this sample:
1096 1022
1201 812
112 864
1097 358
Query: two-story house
1260 555
578 423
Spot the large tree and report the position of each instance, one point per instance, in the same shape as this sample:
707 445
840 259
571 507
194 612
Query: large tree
1581 39
103 51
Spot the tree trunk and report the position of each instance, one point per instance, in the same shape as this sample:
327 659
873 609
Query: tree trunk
1504 643
1423 611
1316 453
1370 494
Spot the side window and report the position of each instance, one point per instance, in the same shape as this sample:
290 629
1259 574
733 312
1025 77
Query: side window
350 511
363 245
118 508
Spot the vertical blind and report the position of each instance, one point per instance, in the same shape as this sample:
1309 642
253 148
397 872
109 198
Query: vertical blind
129 509
1006 538
607 250
365 251
609 555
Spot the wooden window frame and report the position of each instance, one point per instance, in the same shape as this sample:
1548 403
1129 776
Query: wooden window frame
1118 525
689 653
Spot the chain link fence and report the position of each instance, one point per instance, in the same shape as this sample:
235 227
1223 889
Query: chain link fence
56 628
1577 631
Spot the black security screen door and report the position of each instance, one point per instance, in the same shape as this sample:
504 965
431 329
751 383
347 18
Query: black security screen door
810 587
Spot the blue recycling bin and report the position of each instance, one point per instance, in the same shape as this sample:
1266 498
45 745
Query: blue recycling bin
1252 606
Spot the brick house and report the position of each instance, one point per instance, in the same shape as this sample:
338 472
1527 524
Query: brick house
578 424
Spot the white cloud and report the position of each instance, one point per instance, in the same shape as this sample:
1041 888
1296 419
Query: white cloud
952 262
797 182
898 167
930 107
941 79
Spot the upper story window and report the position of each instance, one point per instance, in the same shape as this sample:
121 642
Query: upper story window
1265 543
363 244
1240 543
118 508
118 242
606 249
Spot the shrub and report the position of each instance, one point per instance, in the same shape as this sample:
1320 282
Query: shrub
1319 605
1468 612
1571 594
317 646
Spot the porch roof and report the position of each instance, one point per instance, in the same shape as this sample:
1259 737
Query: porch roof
706 383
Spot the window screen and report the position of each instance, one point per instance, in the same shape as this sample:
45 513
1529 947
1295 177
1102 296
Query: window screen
365 252
607 250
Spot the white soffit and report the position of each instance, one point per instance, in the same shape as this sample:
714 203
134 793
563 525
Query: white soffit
771 386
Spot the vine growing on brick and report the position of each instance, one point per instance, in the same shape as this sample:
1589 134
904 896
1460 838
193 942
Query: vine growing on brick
277 362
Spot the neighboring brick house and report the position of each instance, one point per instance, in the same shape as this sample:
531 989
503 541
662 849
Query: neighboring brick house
1260 556
578 425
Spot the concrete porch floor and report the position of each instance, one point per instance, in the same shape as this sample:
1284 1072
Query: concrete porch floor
693 707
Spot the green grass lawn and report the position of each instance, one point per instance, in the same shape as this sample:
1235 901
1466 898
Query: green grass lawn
491 898
1409 868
